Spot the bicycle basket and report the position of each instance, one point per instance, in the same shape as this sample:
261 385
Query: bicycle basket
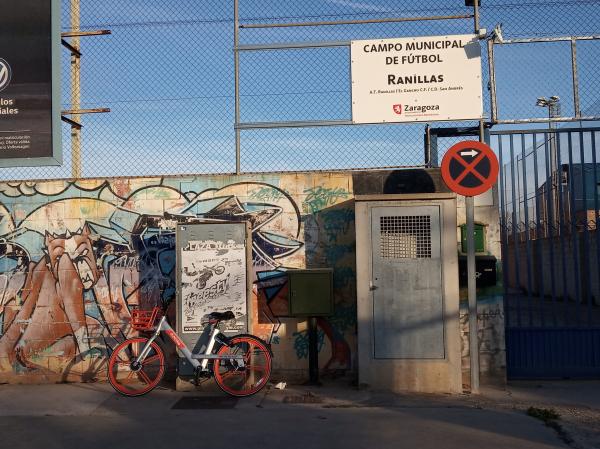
143 320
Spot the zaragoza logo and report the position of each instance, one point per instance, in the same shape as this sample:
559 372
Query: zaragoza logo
397 109
5 74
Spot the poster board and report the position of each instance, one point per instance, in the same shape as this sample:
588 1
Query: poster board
30 79
213 275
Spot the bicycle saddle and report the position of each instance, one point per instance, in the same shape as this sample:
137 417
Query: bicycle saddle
224 316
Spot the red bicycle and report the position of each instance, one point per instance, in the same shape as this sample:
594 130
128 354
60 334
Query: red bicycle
240 365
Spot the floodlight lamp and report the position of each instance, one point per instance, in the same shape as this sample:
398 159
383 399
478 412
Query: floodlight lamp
497 33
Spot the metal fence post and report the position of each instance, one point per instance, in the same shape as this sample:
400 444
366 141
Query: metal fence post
492 86
476 15
236 63
575 77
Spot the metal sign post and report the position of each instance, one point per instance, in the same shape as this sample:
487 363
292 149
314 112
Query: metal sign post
472 281
471 168
472 295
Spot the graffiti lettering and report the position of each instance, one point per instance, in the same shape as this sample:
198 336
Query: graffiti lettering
127 262
198 245
319 198
267 194
301 343
336 222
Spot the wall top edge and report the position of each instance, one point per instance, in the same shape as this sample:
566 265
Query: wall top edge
344 172
411 196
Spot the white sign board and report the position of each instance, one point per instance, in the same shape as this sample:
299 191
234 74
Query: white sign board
417 79
213 279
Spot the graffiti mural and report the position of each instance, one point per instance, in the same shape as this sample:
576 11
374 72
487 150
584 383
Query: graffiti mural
76 257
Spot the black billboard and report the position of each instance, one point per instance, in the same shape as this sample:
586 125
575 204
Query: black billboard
29 82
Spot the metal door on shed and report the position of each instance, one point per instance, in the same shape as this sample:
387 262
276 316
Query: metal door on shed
213 260
408 307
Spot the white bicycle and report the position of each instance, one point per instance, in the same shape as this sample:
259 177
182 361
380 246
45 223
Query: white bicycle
241 365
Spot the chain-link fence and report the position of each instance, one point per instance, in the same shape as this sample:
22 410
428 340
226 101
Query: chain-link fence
166 72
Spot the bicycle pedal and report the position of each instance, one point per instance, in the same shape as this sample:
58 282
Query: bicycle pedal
202 375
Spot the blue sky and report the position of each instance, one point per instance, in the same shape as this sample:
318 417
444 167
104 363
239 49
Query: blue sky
166 72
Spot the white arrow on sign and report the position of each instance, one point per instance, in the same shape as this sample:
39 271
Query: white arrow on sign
471 153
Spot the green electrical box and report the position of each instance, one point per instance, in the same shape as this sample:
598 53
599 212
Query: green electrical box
479 238
310 292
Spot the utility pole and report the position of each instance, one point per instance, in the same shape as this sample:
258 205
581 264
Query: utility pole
75 91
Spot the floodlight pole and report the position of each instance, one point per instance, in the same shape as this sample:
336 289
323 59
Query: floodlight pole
75 91
553 105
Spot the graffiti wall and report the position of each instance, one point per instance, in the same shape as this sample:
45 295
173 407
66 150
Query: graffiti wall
77 257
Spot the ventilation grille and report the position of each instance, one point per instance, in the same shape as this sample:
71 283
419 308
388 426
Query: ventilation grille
405 237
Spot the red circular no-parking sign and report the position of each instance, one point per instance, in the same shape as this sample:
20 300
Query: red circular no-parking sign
470 168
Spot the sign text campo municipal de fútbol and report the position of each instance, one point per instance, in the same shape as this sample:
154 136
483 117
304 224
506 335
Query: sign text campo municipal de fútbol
417 79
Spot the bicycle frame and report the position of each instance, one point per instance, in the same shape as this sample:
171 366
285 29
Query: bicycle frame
215 337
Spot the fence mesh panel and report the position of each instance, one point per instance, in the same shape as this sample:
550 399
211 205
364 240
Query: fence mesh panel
166 72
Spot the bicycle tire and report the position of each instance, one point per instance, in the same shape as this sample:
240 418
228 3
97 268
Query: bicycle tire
249 380
124 379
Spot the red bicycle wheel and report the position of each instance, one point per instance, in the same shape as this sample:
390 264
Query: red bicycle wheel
131 380
246 380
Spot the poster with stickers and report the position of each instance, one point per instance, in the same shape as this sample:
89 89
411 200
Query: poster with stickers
213 279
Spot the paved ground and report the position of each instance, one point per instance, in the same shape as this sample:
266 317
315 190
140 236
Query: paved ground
577 403
333 416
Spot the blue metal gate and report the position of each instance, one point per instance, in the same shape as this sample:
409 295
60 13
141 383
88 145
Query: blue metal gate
549 207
